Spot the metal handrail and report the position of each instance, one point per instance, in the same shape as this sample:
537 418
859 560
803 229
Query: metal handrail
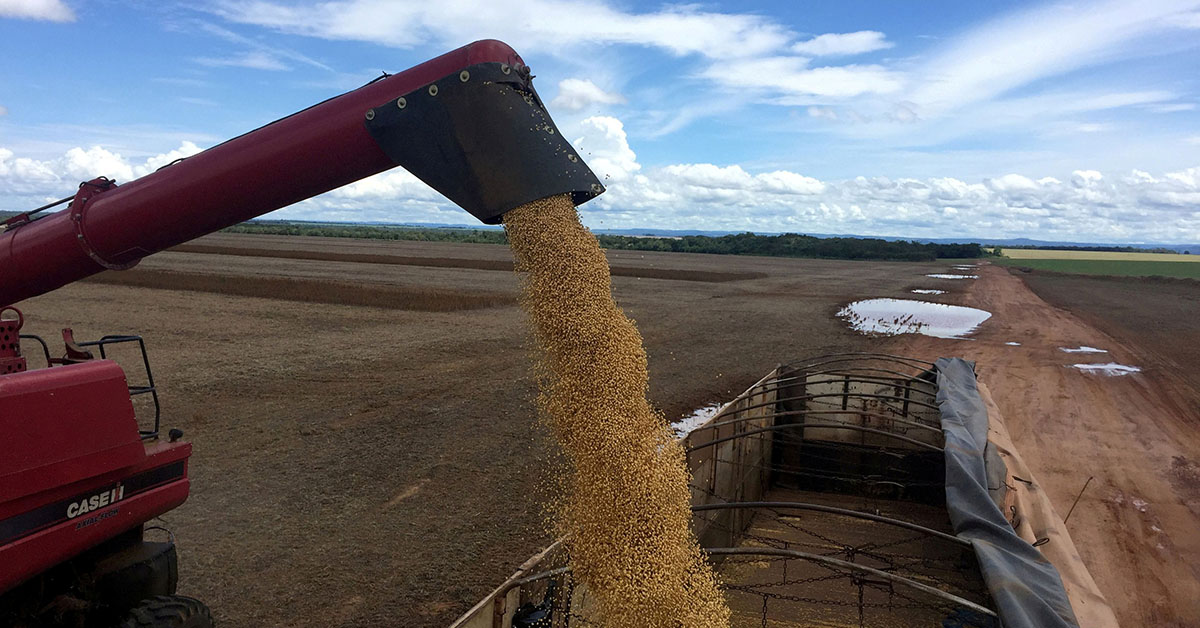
916 424
836 511
149 389
836 426
834 562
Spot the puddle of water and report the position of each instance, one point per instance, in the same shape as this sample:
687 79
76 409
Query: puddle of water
698 417
928 291
1111 369
1013 344
948 276
891 317
1082 349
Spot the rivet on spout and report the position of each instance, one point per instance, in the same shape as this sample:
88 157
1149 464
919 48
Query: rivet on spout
572 157
433 90
597 188
504 68
370 114
464 76
401 102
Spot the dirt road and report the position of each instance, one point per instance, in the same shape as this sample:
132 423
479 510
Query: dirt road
1137 526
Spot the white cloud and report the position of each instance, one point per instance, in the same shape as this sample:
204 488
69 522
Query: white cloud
833 44
579 94
1010 183
542 25
827 113
1194 139
605 147
789 80
1090 207
272 53
255 60
1087 206
49 10
24 178
1174 107
1186 20
1030 45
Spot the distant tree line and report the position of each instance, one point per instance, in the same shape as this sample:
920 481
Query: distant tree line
784 245
796 245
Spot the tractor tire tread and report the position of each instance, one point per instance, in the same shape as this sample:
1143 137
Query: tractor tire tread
169 611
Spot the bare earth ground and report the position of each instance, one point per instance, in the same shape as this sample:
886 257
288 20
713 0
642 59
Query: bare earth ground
1137 525
366 465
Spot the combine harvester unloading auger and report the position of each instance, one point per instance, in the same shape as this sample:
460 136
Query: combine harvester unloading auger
79 476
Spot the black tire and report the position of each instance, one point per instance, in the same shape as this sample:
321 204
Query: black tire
169 611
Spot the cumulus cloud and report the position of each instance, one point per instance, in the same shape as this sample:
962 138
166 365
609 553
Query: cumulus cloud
579 94
28 178
48 10
605 147
834 44
1088 205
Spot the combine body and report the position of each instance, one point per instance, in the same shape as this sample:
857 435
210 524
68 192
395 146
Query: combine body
79 477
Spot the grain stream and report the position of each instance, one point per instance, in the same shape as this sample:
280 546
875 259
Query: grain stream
625 504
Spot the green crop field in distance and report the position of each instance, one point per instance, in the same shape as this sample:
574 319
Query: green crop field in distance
1032 254
1112 266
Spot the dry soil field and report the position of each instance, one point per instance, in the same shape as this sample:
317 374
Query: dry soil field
366 451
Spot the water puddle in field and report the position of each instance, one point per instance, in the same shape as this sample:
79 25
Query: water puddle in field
928 291
1111 369
891 317
949 276
1082 349
1013 344
698 417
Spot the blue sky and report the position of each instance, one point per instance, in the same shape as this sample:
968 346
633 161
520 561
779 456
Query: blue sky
1075 121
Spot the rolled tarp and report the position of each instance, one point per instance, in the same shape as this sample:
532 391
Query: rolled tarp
1024 585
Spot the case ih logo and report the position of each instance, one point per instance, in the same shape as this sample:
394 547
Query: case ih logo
99 500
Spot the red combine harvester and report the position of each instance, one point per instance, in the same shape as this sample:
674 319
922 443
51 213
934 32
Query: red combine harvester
80 477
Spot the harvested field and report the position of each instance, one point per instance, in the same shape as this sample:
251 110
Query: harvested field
1158 316
443 262
305 290
363 466
1111 267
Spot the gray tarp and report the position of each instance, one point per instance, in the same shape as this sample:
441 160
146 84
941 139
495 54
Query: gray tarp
1025 587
